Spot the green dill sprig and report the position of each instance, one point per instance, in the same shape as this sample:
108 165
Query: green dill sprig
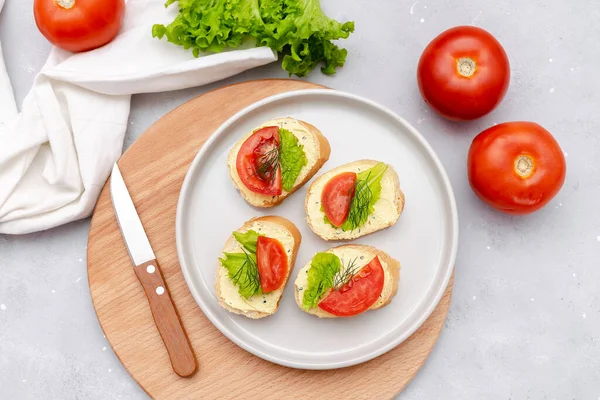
248 277
268 163
359 208
344 277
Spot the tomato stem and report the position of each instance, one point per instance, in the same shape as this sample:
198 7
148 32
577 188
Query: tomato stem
66 4
524 166
466 67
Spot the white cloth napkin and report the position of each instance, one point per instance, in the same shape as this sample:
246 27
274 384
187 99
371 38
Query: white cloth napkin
56 154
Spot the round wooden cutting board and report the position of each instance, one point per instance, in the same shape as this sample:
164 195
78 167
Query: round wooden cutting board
154 168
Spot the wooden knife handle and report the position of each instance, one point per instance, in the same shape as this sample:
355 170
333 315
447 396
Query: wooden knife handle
166 318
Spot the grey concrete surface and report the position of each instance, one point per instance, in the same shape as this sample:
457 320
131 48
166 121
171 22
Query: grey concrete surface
525 316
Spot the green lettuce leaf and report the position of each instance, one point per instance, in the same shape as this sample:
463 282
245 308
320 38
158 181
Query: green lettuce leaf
291 158
247 240
243 272
298 30
368 192
241 267
321 274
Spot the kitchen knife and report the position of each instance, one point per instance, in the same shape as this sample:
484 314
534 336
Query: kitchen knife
150 276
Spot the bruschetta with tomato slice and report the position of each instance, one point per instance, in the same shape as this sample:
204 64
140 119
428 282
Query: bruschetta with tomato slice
255 265
276 159
354 200
346 281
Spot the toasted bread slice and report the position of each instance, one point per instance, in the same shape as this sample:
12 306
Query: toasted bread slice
363 255
259 305
316 148
386 212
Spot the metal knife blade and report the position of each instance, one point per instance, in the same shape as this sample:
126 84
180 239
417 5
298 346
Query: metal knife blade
131 227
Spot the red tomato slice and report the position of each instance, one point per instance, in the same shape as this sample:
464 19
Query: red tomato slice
255 162
272 263
337 196
359 294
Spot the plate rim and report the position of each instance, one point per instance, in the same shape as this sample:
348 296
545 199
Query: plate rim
187 182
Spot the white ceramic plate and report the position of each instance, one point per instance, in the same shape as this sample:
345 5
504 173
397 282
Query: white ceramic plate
424 239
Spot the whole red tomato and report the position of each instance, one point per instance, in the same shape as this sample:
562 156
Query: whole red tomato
516 167
463 73
79 25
